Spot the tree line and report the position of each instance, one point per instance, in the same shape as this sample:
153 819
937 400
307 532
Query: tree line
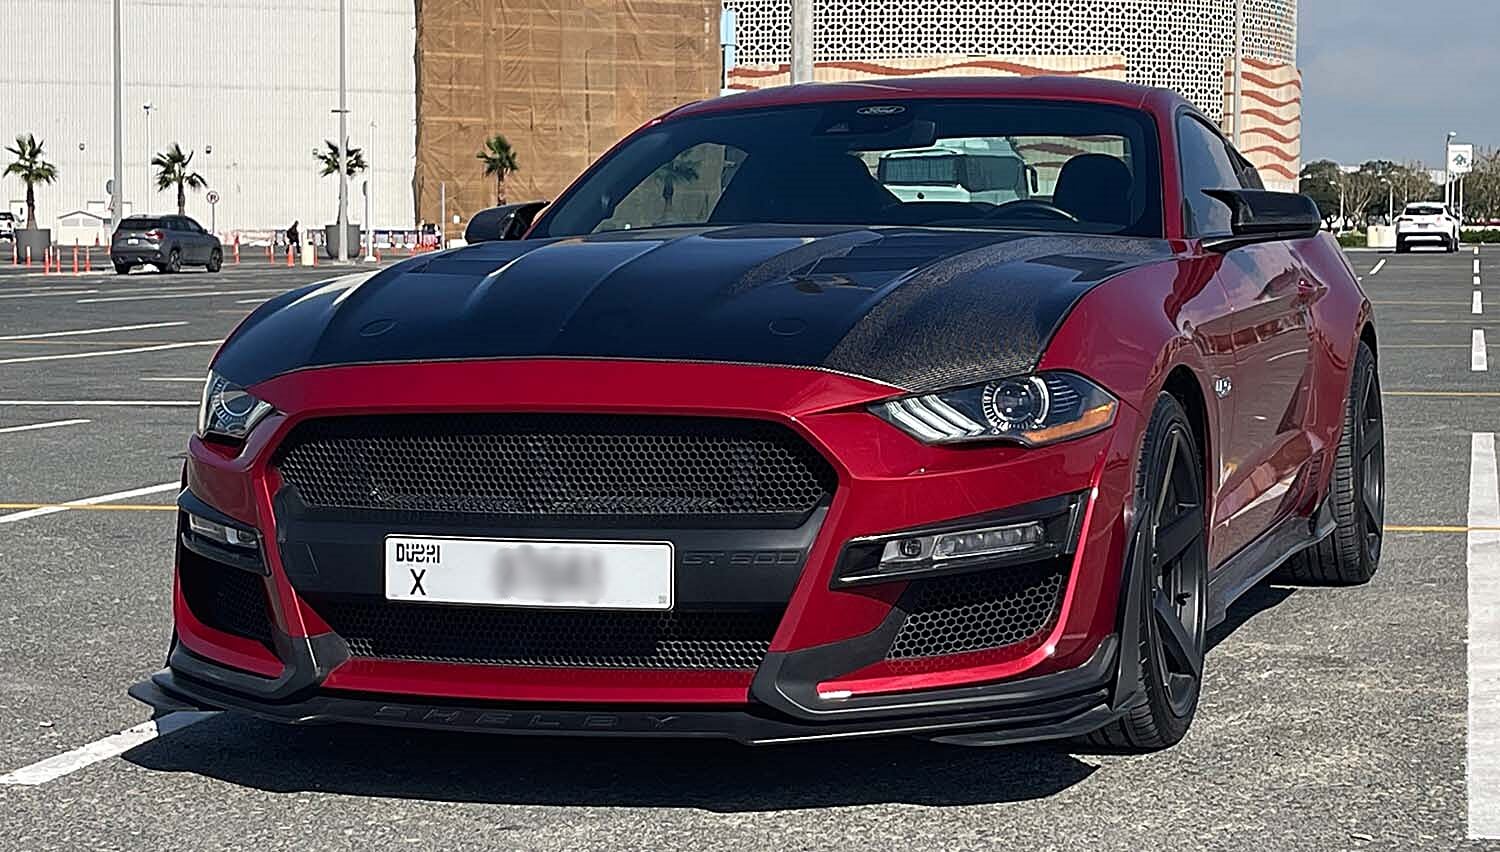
1376 184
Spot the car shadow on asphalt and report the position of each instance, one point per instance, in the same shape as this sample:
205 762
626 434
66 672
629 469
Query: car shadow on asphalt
712 775
716 776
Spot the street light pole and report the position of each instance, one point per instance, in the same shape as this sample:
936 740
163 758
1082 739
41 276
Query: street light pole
117 190
802 41
1239 54
343 223
370 197
146 197
1447 177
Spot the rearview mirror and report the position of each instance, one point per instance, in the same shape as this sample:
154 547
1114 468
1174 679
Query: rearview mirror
1259 215
506 222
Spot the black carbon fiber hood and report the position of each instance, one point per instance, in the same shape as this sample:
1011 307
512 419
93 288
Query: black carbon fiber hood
918 308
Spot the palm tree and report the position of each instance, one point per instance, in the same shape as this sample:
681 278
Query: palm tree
32 170
328 157
677 171
499 160
172 169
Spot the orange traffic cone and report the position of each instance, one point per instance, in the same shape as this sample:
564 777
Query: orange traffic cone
288 257
75 260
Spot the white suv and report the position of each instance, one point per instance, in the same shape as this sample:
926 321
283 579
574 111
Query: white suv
7 226
1426 223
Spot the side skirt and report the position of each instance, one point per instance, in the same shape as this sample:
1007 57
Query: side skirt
1259 558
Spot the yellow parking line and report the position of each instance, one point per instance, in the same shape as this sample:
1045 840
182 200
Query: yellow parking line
1420 528
101 507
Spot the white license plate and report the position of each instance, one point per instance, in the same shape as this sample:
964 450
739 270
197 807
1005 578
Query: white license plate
529 572
130 241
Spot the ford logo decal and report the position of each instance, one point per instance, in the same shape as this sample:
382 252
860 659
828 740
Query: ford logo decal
882 109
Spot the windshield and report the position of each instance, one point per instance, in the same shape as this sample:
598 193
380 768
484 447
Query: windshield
140 223
1424 210
1083 168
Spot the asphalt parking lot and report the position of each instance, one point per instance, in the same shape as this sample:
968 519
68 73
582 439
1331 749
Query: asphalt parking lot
1331 718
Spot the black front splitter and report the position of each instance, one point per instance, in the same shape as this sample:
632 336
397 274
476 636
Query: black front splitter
167 692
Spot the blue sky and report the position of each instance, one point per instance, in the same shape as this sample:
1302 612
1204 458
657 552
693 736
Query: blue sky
1380 80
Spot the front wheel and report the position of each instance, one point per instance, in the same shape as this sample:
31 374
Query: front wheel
1169 570
215 261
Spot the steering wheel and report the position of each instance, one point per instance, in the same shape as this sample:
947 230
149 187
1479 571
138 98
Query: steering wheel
1031 208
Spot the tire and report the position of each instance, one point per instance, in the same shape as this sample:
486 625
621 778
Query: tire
123 268
215 261
174 262
1402 247
1351 555
1451 246
1170 571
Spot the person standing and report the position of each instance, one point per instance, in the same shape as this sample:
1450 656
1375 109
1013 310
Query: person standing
292 237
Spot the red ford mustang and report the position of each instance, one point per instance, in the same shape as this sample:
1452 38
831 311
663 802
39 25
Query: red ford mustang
954 408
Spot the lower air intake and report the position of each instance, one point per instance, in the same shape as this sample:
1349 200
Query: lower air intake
980 611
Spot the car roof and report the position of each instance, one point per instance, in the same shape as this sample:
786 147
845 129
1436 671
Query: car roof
1086 89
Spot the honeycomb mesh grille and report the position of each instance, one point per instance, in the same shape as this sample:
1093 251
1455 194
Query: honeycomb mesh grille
228 599
528 465
562 639
980 611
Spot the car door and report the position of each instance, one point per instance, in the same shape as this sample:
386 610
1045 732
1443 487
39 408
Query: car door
202 242
1269 300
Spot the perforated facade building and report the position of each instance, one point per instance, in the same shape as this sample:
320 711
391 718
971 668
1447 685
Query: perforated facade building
1180 44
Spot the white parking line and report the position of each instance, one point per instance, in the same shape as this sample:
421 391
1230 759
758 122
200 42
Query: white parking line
1476 266
114 745
160 347
49 425
1379 266
177 296
34 295
1484 639
89 501
106 403
84 331
1478 303
1478 361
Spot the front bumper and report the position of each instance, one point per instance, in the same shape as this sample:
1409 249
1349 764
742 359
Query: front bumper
827 672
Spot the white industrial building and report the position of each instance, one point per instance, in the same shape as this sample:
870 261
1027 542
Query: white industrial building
249 85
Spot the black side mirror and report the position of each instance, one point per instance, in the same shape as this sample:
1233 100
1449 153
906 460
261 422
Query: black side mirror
1260 215
506 222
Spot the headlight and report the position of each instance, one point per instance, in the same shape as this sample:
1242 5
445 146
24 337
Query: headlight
1033 410
228 410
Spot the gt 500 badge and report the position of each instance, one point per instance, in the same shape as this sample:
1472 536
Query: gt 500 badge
881 109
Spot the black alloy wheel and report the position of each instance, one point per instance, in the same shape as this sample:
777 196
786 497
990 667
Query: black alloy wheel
1170 570
1356 491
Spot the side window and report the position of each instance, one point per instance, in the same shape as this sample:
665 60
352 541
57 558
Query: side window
192 225
1205 164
